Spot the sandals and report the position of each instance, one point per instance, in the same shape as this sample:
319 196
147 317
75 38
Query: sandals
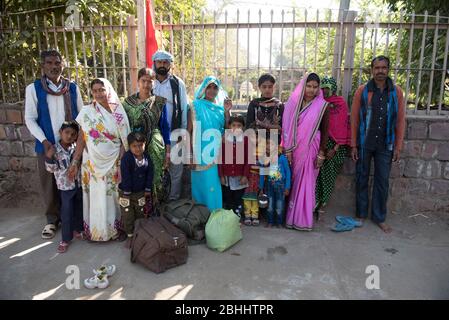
49 231
256 222
63 246
340 227
348 220
79 235
247 222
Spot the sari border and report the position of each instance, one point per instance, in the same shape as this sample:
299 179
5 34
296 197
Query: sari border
295 126
317 124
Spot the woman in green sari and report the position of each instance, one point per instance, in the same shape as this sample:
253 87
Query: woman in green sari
337 145
147 114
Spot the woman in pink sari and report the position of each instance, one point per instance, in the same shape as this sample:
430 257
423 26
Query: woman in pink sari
305 136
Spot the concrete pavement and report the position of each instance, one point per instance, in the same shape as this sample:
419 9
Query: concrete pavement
267 264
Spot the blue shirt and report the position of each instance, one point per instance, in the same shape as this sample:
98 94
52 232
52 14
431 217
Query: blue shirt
278 174
136 178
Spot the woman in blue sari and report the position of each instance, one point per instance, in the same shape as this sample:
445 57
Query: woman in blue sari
209 114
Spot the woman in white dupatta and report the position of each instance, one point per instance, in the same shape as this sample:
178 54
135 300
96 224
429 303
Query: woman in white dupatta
105 129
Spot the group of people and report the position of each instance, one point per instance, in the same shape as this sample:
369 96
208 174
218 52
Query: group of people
106 164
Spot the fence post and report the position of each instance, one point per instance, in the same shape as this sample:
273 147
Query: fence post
349 55
339 40
132 51
141 32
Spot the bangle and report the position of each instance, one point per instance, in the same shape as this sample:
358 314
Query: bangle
321 157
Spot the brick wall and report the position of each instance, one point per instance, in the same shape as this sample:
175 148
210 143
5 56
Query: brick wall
419 181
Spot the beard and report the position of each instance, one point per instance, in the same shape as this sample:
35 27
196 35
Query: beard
162 71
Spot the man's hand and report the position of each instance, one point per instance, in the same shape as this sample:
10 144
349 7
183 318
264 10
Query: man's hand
354 154
396 156
243 180
49 149
286 192
166 164
222 180
50 153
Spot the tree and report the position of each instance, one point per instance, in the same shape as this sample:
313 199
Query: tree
420 7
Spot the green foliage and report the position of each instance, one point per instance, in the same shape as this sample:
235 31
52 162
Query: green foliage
420 7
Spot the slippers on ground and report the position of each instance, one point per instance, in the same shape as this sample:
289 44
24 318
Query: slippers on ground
340 227
348 220
49 231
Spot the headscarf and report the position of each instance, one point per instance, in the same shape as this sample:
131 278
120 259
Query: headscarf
292 111
330 83
201 91
339 125
118 112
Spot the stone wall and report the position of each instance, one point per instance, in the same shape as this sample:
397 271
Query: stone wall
419 181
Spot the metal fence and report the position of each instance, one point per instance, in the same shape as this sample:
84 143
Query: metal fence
328 42
239 46
106 50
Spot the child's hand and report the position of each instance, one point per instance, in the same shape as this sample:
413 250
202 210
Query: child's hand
286 192
289 158
228 104
147 194
243 180
72 172
222 180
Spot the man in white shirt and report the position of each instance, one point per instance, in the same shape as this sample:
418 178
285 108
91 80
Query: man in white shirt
174 90
49 102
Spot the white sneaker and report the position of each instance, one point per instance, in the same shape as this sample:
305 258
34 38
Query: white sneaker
105 270
97 281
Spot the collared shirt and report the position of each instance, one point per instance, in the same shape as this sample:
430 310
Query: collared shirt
59 166
163 89
378 125
55 107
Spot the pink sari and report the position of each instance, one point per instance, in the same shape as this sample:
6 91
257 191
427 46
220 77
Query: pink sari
301 136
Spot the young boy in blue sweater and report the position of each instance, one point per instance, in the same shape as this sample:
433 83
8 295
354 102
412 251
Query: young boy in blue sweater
275 177
137 181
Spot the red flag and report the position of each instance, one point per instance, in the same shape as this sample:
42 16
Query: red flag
150 41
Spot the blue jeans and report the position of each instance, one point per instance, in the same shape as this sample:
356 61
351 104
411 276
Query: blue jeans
382 166
71 212
276 201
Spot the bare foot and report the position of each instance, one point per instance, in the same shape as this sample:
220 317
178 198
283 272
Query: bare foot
385 227
268 225
361 220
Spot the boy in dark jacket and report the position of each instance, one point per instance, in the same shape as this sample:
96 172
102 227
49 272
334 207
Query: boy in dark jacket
137 181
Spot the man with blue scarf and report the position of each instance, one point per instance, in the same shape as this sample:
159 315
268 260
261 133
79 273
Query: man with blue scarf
377 132
49 102
173 89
